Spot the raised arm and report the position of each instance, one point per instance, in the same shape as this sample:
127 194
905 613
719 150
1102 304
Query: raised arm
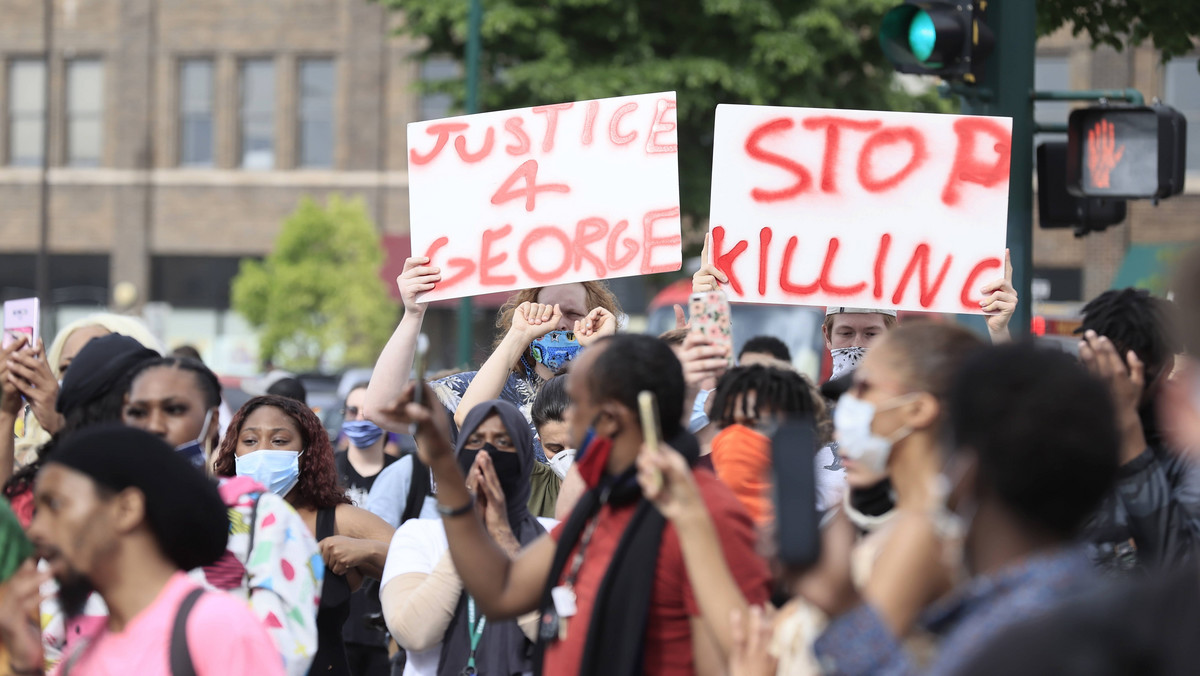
10 410
679 500
395 363
709 276
504 588
530 322
999 303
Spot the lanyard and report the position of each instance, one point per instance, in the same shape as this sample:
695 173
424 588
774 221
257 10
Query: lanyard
577 562
476 633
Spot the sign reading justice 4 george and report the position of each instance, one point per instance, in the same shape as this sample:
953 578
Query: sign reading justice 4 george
859 208
546 195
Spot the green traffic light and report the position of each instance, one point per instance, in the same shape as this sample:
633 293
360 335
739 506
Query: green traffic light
922 35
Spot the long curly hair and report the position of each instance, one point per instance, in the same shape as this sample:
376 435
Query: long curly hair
598 295
318 487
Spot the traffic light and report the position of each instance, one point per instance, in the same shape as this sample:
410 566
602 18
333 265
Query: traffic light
1126 152
1059 209
937 37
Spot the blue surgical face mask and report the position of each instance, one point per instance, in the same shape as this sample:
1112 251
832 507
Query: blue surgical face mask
277 471
362 433
194 449
555 349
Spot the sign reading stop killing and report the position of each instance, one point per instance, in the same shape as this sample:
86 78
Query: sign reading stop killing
859 208
546 195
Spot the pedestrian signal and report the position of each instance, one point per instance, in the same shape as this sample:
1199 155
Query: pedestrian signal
1126 152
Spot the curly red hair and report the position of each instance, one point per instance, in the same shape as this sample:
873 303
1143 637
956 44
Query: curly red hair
318 487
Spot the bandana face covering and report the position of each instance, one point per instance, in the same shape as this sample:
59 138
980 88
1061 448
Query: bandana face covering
845 359
592 457
555 349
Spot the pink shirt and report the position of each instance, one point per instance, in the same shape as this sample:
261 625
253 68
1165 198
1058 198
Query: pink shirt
224 638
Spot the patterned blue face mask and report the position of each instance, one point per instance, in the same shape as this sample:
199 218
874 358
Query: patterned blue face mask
555 349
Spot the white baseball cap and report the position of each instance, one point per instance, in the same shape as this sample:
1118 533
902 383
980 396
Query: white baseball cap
841 310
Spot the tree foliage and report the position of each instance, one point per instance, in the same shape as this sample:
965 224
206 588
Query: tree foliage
1173 26
816 53
317 298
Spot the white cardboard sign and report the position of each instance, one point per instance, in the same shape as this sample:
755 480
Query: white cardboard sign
546 195
859 208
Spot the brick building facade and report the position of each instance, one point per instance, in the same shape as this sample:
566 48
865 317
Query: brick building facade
182 133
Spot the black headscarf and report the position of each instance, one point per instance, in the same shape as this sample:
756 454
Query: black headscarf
183 508
98 368
503 649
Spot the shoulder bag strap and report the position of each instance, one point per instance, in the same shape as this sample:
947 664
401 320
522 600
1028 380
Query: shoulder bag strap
180 654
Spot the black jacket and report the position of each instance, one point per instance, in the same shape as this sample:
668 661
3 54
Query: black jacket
1151 518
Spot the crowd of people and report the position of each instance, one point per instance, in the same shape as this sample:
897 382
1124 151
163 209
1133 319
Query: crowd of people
974 508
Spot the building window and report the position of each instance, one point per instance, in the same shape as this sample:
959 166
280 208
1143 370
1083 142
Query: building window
315 123
26 112
1182 92
1051 72
85 112
196 113
436 105
258 114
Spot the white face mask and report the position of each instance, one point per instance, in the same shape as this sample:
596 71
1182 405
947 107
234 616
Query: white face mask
277 471
845 359
852 420
562 461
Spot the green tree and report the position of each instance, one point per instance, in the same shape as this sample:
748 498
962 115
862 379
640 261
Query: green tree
1173 26
317 298
817 53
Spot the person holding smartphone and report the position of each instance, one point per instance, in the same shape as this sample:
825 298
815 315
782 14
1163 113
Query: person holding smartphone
890 423
611 585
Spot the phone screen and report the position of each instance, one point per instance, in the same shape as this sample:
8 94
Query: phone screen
21 317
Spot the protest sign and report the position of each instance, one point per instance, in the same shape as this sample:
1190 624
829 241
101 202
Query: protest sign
546 195
859 208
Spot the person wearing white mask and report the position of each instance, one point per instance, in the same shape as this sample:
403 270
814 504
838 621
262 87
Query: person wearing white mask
890 424
281 444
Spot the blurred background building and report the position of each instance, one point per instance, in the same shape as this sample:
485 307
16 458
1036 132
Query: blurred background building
182 134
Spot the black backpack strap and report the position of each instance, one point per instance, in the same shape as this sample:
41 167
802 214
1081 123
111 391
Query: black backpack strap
180 654
253 522
419 487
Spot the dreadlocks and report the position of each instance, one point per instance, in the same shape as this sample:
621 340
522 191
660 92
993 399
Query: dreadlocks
777 391
1134 320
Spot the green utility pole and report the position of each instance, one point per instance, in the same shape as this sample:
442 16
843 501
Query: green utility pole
1006 89
466 324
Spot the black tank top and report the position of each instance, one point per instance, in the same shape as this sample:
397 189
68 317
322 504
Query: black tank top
330 659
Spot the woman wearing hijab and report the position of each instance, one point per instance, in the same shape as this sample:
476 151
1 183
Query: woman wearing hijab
423 600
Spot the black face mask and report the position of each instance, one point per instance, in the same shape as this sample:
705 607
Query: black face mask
873 500
508 469
507 465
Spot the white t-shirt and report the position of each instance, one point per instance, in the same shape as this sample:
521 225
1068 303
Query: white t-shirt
416 547
830 478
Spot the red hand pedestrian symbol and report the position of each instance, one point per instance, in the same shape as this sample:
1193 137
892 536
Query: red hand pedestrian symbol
1103 152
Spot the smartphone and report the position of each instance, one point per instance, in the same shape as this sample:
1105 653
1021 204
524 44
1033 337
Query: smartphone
21 317
651 430
709 312
14 546
798 523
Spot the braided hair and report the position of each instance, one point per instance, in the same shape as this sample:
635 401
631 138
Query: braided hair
778 391
1134 320
206 380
